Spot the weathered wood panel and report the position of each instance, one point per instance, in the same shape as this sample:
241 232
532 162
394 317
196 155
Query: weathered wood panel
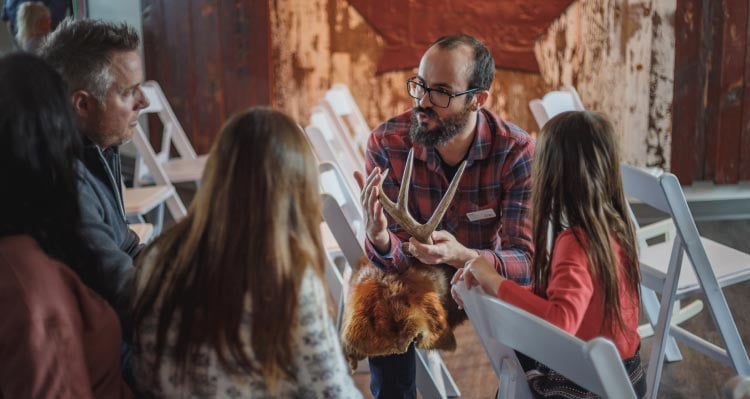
617 53
211 57
711 119
321 42
690 82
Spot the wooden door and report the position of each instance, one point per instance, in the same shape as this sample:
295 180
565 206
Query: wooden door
212 58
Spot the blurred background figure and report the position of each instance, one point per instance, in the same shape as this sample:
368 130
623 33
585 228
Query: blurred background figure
58 338
34 22
59 9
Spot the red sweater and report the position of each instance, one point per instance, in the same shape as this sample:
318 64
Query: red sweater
58 339
574 301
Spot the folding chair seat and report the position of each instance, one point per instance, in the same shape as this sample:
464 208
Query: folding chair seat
665 269
555 102
504 329
343 214
187 166
346 111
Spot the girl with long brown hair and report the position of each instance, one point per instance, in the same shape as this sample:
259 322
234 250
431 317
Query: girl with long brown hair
230 301
587 283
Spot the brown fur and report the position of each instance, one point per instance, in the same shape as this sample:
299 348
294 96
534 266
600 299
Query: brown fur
386 312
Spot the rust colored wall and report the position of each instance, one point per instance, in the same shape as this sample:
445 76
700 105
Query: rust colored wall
320 42
619 54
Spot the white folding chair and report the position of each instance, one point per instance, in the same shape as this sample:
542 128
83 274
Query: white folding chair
707 268
343 215
328 149
341 143
140 200
555 102
186 166
350 117
503 329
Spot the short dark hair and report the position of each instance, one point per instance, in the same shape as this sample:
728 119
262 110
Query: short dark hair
81 50
39 151
483 71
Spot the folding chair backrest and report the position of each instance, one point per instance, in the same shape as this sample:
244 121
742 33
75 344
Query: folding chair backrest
172 133
143 146
503 328
335 283
345 108
342 213
341 144
555 102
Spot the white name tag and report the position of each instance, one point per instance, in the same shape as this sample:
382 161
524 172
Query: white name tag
481 215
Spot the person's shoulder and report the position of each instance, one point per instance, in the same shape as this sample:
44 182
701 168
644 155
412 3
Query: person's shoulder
505 129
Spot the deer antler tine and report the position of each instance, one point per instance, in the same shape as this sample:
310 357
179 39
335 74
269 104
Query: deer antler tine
437 216
403 192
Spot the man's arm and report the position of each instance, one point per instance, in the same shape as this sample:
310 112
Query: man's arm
512 256
393 258
114 273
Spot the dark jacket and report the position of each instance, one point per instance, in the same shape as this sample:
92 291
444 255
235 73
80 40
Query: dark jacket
106 228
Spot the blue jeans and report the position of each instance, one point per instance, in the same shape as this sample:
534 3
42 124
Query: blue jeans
394 376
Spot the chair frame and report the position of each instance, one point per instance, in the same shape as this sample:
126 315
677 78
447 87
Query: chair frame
664 193
188 166
503 329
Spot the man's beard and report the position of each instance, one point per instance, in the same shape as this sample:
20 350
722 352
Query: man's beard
445 130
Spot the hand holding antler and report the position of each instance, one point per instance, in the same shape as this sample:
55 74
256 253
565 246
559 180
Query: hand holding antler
445 249
376 224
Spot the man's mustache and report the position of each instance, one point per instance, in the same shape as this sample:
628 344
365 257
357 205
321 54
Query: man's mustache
427 111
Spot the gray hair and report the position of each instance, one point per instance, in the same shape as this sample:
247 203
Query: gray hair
81 50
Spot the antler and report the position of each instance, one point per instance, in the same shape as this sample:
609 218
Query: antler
400 210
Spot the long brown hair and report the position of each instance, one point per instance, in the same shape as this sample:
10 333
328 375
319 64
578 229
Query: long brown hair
252 230
577 183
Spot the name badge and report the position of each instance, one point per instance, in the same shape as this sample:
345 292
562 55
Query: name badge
481 215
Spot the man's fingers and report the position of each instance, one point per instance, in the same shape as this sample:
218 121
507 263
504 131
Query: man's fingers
360 178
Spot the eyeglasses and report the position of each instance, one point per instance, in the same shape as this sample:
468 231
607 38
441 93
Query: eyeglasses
438 97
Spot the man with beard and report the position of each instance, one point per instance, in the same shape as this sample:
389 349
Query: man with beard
489 215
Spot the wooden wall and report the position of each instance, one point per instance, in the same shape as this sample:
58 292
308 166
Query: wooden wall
211 57
619 54
712 91
215 57
320 42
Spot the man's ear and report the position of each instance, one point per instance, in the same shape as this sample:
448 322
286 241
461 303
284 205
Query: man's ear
83 103
481 97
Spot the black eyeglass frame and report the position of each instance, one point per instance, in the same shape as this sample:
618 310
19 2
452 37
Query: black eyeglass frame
428 91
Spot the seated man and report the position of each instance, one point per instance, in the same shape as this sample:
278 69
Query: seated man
101 65
489 215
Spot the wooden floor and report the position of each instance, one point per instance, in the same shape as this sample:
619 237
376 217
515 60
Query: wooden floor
696 376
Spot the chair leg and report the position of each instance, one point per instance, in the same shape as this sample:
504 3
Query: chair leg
429 378
651 307
663 324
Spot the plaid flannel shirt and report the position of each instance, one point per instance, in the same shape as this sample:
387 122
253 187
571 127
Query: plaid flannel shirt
497 177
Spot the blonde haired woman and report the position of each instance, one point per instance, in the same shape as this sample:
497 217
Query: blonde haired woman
230 301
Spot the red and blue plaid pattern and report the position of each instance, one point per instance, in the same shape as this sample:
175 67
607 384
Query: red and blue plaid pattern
497 177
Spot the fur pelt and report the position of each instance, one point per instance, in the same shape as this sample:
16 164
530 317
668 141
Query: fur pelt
386 312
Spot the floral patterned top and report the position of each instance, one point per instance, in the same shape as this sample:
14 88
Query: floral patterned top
320 367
